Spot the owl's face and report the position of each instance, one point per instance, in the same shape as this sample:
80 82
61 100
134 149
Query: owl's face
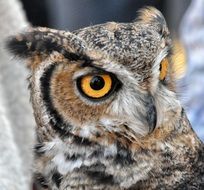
103 80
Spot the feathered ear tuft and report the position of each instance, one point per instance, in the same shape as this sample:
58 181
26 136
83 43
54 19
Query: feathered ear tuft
43 41
17 46
20 46
36 41
152 16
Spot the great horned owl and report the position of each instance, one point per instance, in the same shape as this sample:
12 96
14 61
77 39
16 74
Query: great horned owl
106 110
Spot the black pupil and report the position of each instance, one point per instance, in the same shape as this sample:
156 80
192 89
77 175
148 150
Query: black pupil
97 83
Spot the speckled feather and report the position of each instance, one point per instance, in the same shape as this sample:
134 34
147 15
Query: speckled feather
138 138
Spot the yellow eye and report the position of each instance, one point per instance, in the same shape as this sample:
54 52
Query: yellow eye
163 68
97 86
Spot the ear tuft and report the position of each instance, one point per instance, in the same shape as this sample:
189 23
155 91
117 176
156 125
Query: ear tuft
19 46
43 41
36 41
152 16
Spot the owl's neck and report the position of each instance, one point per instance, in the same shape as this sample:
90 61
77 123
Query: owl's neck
172 157
177 157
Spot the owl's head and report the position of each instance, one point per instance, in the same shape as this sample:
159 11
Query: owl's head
104 82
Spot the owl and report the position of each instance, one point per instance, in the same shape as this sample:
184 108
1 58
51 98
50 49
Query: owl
106 110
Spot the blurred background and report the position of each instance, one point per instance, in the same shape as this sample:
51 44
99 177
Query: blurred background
75 14
185 19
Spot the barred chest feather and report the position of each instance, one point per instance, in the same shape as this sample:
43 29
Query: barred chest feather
72 162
